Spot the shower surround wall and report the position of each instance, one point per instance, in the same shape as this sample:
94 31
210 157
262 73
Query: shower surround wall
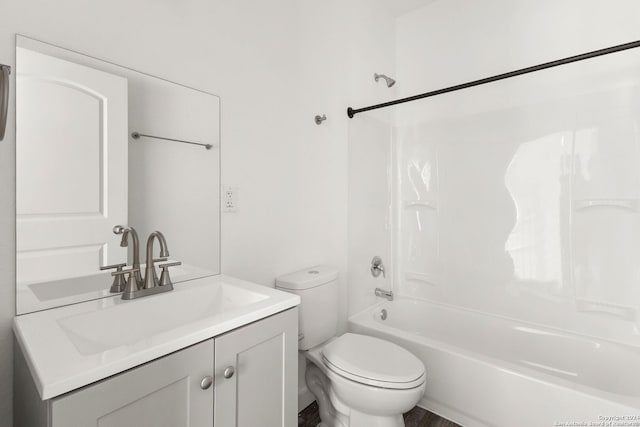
520 199
512 211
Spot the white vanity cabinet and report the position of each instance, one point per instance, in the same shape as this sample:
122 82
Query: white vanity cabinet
253 382
256 374
162 393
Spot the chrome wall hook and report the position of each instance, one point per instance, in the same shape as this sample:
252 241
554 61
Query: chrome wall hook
319 119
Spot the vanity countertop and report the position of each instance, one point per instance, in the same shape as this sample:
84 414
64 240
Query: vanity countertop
73 346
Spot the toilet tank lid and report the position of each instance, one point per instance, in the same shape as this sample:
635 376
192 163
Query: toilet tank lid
307 278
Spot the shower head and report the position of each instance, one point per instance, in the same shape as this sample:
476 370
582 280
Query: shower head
389 80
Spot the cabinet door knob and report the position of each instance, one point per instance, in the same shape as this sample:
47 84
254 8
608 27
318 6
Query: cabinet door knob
206 382
228 373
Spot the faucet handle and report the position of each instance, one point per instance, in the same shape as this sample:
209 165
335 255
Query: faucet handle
131 285
377 267
122 273
169 264
118 281
165 279
117 266
161 259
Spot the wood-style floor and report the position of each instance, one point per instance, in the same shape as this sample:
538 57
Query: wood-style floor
417 417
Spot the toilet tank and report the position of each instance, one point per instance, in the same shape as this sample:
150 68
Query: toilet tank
318 311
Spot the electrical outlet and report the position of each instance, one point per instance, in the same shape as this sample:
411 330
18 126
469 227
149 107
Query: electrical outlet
230 198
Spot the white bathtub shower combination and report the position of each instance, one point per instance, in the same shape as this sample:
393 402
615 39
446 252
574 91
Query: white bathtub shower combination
489 371
510 227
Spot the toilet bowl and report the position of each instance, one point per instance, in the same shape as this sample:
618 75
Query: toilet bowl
361 381
358 380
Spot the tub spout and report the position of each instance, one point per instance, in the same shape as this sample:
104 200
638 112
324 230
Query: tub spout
384 294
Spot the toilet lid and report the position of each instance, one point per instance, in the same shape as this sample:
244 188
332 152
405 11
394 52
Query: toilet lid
373 361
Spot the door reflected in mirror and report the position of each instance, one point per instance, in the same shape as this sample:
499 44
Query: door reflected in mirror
79 173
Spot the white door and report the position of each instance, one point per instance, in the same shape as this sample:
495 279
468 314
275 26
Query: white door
168 392
71 167
256 374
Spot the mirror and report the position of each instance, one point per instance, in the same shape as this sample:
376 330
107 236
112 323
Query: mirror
100 145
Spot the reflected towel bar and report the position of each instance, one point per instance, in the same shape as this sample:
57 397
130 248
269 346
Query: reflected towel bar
352 112
137 135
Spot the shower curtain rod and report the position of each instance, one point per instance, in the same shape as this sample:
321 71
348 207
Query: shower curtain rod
352 112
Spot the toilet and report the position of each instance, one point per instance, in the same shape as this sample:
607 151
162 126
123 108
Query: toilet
358 380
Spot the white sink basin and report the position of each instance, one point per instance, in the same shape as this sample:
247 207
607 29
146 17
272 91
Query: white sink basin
127 324
70 347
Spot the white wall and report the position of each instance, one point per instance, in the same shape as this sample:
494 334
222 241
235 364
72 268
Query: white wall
343 44
508 165
454 41
301 201
275 65
369 224
370 210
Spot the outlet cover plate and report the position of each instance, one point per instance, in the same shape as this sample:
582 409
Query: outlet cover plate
230 198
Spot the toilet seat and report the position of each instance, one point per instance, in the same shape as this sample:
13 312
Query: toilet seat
374 362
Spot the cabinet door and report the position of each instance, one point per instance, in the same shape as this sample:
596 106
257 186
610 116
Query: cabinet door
162 393
263 388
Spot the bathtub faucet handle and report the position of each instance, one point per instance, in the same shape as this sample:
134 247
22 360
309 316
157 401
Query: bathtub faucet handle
377 267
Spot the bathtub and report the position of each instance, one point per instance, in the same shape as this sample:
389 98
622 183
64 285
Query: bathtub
490 371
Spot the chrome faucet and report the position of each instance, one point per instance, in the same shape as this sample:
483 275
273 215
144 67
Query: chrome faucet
384 294
134 286
150 276
126 231
377 267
